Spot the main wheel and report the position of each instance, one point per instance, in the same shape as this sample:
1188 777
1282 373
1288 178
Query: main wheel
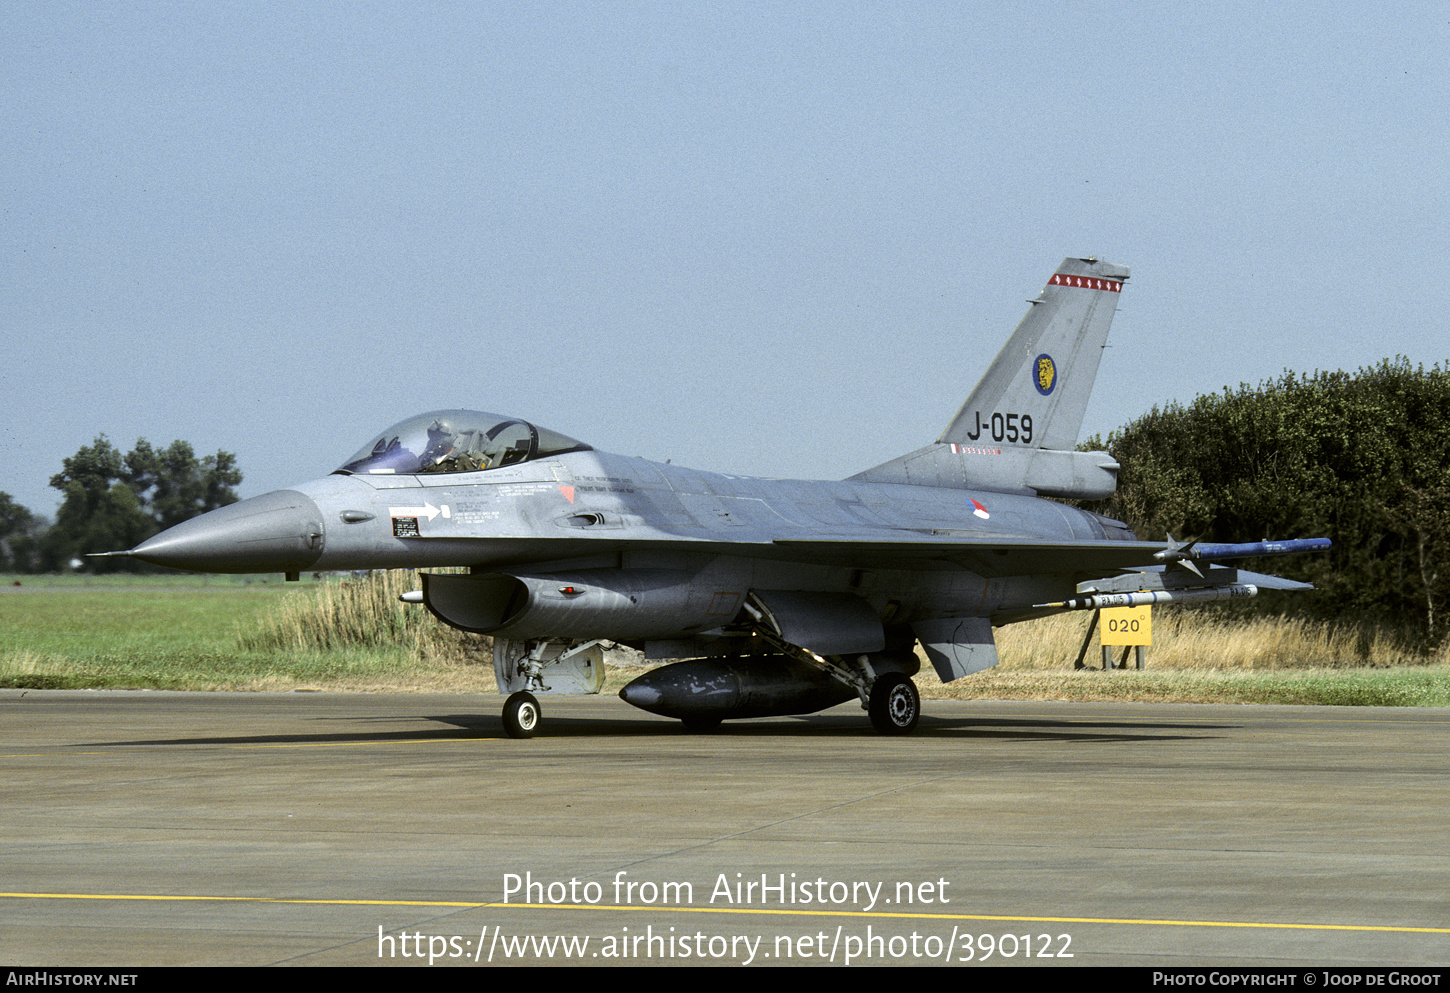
700 725
895 704
521 715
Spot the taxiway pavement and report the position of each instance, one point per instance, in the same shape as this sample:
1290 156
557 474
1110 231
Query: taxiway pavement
145 828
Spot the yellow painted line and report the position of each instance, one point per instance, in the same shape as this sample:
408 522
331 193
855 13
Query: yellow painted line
1236 718
872 915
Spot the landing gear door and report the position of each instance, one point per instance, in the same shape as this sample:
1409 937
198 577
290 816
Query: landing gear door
552 667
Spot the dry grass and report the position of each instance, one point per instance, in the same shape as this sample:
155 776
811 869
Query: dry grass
1199 658
1188 639
355 635
365 613
358 613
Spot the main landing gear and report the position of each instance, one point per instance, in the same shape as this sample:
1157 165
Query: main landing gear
895 703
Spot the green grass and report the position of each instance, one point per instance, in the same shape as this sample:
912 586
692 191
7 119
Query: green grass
149 634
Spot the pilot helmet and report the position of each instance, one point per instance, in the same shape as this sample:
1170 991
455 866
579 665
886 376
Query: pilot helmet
440 441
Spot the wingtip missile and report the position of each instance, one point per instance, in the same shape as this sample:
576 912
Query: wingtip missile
1194 551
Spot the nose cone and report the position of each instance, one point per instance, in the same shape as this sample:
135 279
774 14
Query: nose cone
277 532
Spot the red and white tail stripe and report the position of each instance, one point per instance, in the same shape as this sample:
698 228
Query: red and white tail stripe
1086 282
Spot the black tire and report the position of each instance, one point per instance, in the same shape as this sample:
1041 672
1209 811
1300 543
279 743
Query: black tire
895 704
522 715
700 725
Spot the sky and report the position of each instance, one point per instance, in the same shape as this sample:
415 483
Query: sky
776 239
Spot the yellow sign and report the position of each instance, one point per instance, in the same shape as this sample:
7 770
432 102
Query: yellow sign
1127 626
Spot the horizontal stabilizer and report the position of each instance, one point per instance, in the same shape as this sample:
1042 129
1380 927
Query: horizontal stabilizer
1041 471
1172 578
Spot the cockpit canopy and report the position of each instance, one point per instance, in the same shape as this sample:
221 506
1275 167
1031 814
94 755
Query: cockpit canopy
457 441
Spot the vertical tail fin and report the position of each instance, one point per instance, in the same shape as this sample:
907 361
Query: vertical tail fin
1017 430
1036 391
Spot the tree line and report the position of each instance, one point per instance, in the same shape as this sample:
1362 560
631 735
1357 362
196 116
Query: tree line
114 502
1362 458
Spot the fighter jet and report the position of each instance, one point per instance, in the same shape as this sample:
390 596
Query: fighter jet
778 596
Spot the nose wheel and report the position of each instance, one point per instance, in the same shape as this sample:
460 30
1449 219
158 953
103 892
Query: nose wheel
895 704
521 715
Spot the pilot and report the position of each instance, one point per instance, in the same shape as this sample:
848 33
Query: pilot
442 454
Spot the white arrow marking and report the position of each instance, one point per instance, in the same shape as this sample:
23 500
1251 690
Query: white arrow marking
427 510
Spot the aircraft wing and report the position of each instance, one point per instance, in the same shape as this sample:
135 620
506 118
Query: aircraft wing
988 556
985 555
1122 565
